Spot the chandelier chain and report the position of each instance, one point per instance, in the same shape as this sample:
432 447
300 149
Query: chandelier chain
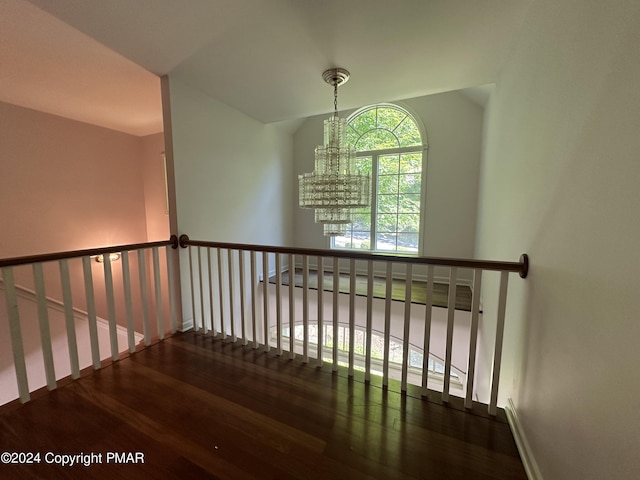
335 99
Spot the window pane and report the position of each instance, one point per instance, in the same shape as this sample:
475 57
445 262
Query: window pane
408 203
389 118
411 163
410 183
386 241
361 240
408 242
388 164
377 139
387 184
409 222
408 133
388 203
364 165
364 122
387 222
362 220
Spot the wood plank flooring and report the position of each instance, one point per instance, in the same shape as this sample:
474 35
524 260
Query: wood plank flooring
197 407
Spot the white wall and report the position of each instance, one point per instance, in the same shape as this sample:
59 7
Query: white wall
232 173
560 181
454 129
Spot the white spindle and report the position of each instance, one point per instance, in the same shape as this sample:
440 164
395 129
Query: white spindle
202 323
451 311
427 331
279 301
292 307
111 307
254 317
387 324
91 312
45 332
320 323
144 295
17 346
336 282
72 341
223 330
352 314
172 288
305 308
368 335
497 354
241 255
128 302
406 343
473 336
211 303
158 287
265 283
232 319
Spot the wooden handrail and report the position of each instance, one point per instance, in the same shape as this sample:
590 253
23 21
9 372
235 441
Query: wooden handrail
48 257
521 267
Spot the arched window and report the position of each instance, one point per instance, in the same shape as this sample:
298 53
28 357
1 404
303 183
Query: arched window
390 147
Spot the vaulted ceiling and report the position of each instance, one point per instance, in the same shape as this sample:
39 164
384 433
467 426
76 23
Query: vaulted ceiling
99 61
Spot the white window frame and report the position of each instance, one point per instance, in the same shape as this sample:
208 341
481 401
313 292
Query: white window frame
375 154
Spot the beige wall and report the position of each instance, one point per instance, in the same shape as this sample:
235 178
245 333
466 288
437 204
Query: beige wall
67 185
560 181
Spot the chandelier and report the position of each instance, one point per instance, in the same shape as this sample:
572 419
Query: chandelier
336 187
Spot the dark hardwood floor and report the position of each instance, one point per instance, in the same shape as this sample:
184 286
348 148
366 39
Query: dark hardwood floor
202 408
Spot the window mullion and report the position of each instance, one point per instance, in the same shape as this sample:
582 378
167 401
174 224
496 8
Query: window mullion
374 202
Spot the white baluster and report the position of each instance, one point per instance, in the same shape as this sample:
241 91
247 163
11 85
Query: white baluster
427 331
128 302
91 312
17 346
158 287
292 307
241 255
336 288
111 307
254 281
473 336
214 331
451 311
223 330
367 368
279 301
352 314
497 354
305 309
407 319
232 302
320 324
172 288
202 323
72 341
387 324
144 295
265 283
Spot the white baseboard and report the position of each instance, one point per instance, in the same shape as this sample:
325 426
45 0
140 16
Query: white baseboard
186 325
528 460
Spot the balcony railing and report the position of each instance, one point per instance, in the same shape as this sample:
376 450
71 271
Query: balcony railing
328 307
237 291
145 292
